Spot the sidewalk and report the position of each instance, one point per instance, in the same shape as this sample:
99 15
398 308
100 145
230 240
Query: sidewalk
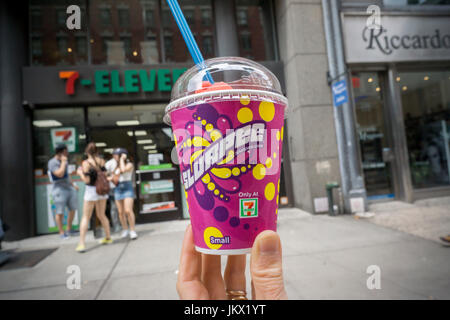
429 219
323 258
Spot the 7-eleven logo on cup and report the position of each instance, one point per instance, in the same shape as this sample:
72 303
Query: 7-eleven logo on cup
248 208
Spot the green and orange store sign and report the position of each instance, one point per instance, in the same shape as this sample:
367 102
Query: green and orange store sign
99 84
133 81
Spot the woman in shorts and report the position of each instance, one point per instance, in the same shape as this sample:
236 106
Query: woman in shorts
88 173
124 192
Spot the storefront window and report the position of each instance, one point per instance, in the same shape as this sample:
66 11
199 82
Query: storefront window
198 15
52 43
53 126
255 29
426 110
129 115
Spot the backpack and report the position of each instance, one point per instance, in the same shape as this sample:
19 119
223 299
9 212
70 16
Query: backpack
101 182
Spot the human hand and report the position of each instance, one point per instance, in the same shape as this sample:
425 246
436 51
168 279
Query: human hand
63 158
123 156
80 171
200 276
76 187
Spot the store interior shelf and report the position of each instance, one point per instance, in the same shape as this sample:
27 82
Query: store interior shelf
160 210
155 170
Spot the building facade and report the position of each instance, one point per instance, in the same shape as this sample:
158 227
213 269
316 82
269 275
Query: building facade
388 138
108 82
368 84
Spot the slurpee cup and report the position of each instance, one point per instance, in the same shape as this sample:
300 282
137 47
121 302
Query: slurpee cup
228 137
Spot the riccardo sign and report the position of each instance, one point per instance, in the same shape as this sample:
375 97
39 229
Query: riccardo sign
100 84
398 38
387 43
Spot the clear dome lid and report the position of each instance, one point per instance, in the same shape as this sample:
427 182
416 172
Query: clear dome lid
231 75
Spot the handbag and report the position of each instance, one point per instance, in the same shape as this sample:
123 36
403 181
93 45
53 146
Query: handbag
115 179
116 176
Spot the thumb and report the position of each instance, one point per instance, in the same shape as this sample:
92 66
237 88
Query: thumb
266 267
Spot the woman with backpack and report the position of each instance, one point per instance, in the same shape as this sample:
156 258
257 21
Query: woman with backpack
92 172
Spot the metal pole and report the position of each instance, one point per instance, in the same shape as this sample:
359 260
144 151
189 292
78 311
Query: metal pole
226 29
356 181
337 111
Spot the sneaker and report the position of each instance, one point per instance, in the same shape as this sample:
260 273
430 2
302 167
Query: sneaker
64 236
106 241
80 248
446 239
133 235
124 234
72 232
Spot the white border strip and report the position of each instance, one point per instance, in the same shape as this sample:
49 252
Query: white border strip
224 92
223 252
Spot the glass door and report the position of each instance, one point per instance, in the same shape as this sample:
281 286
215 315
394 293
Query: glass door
371 123
107 139
155 179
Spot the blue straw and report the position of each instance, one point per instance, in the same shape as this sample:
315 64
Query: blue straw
188 37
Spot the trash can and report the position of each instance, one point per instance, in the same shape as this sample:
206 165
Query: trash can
329 188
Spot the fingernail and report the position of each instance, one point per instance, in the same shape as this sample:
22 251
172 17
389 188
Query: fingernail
269 245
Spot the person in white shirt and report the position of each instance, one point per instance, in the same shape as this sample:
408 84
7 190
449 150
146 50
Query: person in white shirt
110 165
121 170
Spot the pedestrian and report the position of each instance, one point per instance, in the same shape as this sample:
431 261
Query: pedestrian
122 173
113 212
89 174
64 191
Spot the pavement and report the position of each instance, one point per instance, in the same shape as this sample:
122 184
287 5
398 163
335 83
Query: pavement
429 218
323 258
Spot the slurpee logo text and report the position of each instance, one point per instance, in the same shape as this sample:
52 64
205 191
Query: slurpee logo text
235 141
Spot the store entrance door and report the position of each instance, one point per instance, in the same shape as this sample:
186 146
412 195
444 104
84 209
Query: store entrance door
373 132
155 179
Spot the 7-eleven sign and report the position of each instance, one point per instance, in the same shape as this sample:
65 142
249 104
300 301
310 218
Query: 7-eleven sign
68 136
248 208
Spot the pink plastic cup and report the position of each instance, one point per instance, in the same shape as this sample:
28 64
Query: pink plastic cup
228 139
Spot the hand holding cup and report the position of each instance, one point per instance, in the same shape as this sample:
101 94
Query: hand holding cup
200 277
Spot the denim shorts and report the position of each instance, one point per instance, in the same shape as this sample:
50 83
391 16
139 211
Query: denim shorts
124 190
